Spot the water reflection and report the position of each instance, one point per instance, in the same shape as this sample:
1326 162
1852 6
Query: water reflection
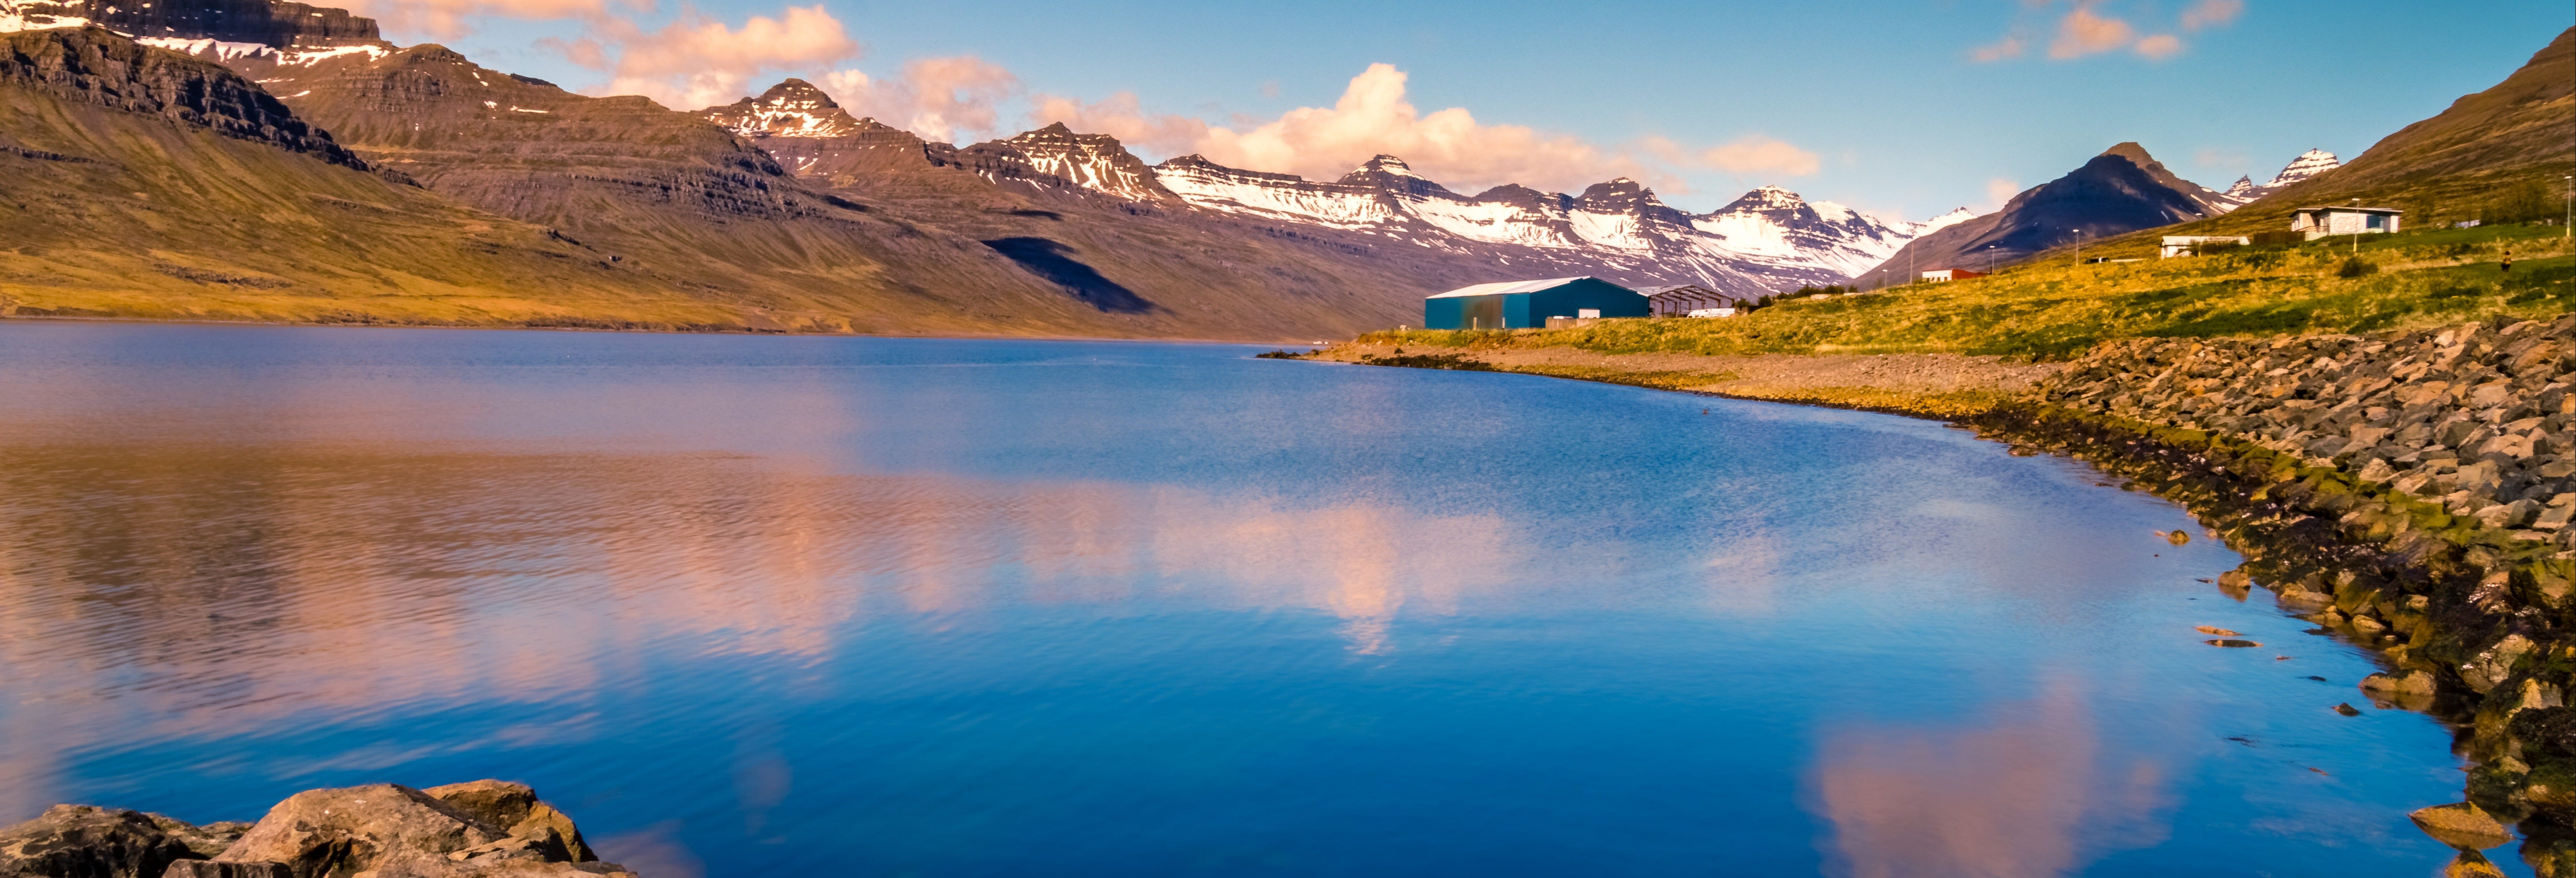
790 606
172 590
2022 794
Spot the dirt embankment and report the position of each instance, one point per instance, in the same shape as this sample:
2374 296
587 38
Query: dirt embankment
1938 385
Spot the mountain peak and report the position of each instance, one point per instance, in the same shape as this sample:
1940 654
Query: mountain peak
1096 162
2308 164
792 108
792 89
2129 149
1386 164
1765 198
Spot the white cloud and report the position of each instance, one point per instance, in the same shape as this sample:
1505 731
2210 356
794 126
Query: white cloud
1122 117
1757 155
2083 33
2160 47
1371 117
2008 47
697 61
1998 191
949 99
2211 13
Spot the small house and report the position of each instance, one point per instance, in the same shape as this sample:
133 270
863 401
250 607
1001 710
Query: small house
1685 300
2318 222
1528 304
2190 245
1946 275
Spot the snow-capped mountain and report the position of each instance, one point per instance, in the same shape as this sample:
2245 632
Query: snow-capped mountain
1095 162
793 108
2308 164
1770 239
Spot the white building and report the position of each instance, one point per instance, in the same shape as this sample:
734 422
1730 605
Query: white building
2319 222
2186 245
1946 275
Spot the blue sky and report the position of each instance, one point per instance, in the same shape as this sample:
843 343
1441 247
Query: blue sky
1890 104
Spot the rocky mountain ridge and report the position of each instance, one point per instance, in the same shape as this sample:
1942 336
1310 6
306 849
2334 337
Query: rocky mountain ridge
2307 165
274 23
1768 240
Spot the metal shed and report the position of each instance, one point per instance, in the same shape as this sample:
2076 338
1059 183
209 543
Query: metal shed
1529 303
1685 300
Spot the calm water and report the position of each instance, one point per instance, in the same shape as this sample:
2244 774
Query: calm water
766 606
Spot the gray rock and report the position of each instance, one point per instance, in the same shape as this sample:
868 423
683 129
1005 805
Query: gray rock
213 869
82 841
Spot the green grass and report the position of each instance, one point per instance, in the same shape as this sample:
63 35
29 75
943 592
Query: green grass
2059 307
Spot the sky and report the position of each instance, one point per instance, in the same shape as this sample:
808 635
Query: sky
1905 109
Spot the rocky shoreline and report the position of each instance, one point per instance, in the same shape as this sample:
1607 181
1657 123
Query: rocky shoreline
482 829
2411 492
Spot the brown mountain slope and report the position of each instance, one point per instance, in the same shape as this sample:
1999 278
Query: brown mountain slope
664 193
2119 191
141 182
884 232
2480 159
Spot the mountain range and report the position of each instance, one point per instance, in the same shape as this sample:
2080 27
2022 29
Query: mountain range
1768 239
267 160
2121 190
779 211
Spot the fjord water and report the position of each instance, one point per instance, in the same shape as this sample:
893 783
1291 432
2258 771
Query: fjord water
766 606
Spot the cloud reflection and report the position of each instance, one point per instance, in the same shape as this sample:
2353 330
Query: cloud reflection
2026 795
164 590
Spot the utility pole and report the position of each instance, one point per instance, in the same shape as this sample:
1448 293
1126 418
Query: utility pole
2567 225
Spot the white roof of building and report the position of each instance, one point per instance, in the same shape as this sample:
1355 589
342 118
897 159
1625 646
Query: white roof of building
1505 288
1651 292
2332 208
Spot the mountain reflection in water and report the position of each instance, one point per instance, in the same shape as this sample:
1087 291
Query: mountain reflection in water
759 606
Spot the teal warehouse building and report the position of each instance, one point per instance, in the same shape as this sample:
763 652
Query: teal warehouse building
1529 303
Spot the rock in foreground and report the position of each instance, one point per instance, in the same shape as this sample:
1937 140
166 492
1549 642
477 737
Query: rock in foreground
483 829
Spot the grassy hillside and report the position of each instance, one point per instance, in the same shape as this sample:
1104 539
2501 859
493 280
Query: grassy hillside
2060 306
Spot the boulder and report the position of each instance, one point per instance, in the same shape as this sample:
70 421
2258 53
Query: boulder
2471 864
2462 825
515 807
2412 683
82 841
213 869
484 829
206 841
387 828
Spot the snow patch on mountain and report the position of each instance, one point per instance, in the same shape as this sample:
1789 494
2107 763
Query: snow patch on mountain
310 57
2309 164
1092 161
792 108
1272 196
210 49
17 16
1770 237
